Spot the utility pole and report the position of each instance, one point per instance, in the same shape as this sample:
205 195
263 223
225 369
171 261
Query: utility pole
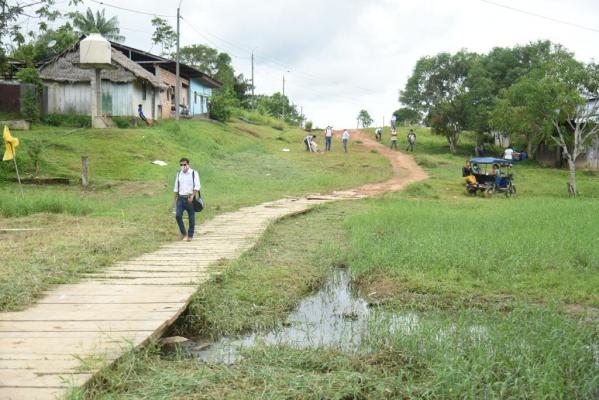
178 81
283 97
253 85
383 121
301 116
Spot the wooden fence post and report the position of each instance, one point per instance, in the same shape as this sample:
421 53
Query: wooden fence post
85 171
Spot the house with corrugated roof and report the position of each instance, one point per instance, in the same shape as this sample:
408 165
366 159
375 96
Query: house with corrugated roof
67 87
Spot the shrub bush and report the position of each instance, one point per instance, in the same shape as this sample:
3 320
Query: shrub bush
308 126
123 122
70 119
219 107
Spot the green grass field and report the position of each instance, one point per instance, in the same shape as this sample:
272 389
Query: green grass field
126 209
504 292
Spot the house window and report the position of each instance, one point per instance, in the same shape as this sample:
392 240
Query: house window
143 90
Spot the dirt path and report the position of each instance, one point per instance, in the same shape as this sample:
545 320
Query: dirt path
76 330
405 168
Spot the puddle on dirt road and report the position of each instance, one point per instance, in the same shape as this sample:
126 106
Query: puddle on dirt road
333 317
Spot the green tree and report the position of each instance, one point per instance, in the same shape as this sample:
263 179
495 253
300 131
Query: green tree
406 115
201 57
275 105
164 35
555 103
364 119
89 23
46 44
11 34
220 106
520 110
438 88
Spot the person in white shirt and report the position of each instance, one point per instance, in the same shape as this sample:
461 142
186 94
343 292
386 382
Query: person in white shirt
345 139
308 142
393 139
328 137
393 120
378 134
508 153
187 186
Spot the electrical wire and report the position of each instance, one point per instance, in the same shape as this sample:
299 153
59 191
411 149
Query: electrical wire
132 10
540 16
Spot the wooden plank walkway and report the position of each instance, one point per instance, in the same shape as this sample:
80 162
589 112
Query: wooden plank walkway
77 329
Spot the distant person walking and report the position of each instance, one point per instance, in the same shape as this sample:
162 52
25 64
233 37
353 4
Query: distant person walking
393 120
378 134
187 186
411 140
140 112
393 139
345 139
328 137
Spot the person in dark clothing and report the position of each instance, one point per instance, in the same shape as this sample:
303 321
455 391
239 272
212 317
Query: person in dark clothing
466 169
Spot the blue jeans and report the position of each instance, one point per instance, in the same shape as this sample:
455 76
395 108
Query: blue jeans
328 140
345 145
183 204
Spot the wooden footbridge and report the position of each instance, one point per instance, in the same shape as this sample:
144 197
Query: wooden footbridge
75 330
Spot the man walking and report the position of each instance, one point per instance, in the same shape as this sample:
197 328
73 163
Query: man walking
328 137
411 140
345 139
187 186
393 121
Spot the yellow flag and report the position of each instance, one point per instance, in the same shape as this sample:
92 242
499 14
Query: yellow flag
10 143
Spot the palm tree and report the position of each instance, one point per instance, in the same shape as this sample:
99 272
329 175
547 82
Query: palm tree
88 23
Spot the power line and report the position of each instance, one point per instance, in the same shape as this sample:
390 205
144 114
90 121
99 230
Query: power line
270 61
131 10
540 16
278 63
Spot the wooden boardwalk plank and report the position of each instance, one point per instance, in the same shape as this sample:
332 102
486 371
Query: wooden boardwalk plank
113 310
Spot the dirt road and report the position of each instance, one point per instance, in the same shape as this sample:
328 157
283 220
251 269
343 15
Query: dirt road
405 168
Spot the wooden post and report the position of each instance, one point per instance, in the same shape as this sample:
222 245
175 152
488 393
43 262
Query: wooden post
85 171
14 159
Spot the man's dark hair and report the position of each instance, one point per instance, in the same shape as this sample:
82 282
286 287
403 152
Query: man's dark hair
184 160
139 105
313 136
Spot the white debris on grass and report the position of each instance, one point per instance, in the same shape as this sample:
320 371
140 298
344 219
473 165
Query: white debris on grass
159 162
285 150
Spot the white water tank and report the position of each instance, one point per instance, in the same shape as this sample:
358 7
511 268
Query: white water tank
94 51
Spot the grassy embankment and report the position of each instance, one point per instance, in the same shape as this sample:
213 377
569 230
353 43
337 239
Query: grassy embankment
126 210
500 287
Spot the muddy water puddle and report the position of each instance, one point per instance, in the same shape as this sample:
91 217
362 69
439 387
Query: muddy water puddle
334 317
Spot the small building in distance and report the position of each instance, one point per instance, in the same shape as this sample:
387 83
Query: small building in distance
196 86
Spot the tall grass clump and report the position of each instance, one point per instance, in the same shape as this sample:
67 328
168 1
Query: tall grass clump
536 247
13 205
527 353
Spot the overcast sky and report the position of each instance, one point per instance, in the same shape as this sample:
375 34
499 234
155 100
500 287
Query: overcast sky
339 56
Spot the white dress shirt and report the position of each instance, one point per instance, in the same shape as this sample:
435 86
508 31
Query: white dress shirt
187 182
